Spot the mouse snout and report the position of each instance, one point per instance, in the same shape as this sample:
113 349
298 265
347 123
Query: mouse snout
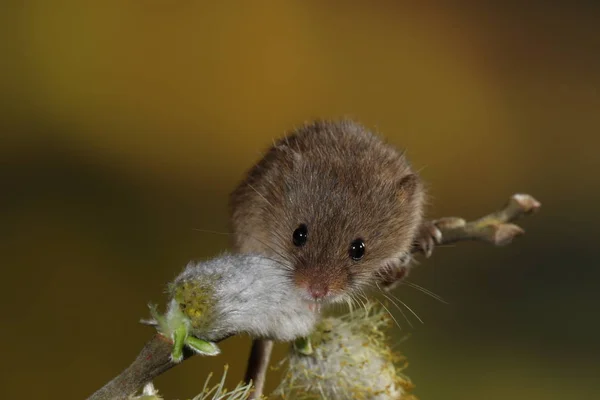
318 290
315 288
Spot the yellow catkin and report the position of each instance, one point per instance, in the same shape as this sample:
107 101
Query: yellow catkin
195 301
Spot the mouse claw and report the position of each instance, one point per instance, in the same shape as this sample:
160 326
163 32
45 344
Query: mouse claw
430 233
428 236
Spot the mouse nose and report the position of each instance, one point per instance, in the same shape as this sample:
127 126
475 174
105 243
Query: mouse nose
318 291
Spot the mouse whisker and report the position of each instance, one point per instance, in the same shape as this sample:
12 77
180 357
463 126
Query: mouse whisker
358 302
390 314
348 301
284 265
360 294
286 268
425 291
277 233
408 308
260 194
279 261
399 309
275 251
360 280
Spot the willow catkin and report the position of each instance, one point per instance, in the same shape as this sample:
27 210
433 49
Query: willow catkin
350 359
237 294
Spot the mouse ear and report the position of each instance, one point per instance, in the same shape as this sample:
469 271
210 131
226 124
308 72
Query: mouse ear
408 186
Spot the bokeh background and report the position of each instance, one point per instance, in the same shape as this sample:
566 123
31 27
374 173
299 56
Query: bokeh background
125 124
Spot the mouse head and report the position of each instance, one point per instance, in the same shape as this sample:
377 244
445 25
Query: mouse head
334 204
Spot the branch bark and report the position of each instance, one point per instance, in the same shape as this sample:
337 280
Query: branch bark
258 365
153 360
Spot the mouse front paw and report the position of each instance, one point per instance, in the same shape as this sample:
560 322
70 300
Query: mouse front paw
430 234
392 275
427 237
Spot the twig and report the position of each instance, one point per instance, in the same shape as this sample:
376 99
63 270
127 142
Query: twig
258 364
495 228
153 360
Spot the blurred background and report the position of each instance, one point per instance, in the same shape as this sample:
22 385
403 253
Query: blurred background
125 124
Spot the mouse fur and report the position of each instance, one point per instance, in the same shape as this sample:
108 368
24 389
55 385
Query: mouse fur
344 183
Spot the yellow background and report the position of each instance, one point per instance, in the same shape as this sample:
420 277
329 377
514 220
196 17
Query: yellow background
125 124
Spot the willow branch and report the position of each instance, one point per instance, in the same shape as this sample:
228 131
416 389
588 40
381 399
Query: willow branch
496 228
153 360
258 365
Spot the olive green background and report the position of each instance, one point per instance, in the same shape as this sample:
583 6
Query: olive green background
125 124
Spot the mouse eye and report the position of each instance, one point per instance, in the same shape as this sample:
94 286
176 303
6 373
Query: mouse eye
357 249
300 235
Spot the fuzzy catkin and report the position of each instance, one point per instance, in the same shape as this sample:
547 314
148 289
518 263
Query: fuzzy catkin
350 359
217 392
234 294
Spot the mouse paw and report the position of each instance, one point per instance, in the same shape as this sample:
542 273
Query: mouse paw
430 233
427 237
389 277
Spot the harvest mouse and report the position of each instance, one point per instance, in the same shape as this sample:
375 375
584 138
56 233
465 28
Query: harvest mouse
336 207
334 204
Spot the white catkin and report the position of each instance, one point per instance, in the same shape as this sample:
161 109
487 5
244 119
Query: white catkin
243 294
350 359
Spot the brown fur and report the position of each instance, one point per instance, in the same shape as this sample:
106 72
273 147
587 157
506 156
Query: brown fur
344 183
